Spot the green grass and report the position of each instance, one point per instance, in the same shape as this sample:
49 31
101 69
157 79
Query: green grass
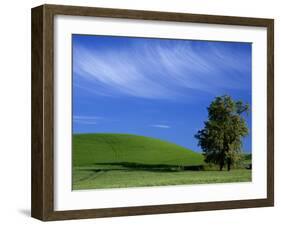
89 149
87 179
122 160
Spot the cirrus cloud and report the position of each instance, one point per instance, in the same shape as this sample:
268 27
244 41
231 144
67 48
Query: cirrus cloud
161 126
161 69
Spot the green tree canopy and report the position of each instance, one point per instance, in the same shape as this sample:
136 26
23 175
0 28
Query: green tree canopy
221 137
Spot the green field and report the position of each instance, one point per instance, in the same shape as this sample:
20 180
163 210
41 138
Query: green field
122 160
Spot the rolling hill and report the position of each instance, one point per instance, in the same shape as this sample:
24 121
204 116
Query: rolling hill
92 149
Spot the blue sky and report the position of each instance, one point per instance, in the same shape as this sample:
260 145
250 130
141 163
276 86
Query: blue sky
155 87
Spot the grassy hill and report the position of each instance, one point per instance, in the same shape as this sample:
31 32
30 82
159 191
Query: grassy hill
89 149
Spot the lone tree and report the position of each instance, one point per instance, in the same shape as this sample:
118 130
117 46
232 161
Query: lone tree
220 139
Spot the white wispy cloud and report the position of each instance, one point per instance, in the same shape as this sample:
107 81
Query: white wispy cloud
161 126
90 120
160 70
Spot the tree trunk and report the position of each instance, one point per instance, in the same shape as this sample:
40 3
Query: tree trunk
228 164
222 161
221 166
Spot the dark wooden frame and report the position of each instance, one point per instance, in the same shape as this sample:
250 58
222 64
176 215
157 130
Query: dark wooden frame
42 203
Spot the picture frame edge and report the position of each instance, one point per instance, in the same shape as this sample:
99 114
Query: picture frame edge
37 112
